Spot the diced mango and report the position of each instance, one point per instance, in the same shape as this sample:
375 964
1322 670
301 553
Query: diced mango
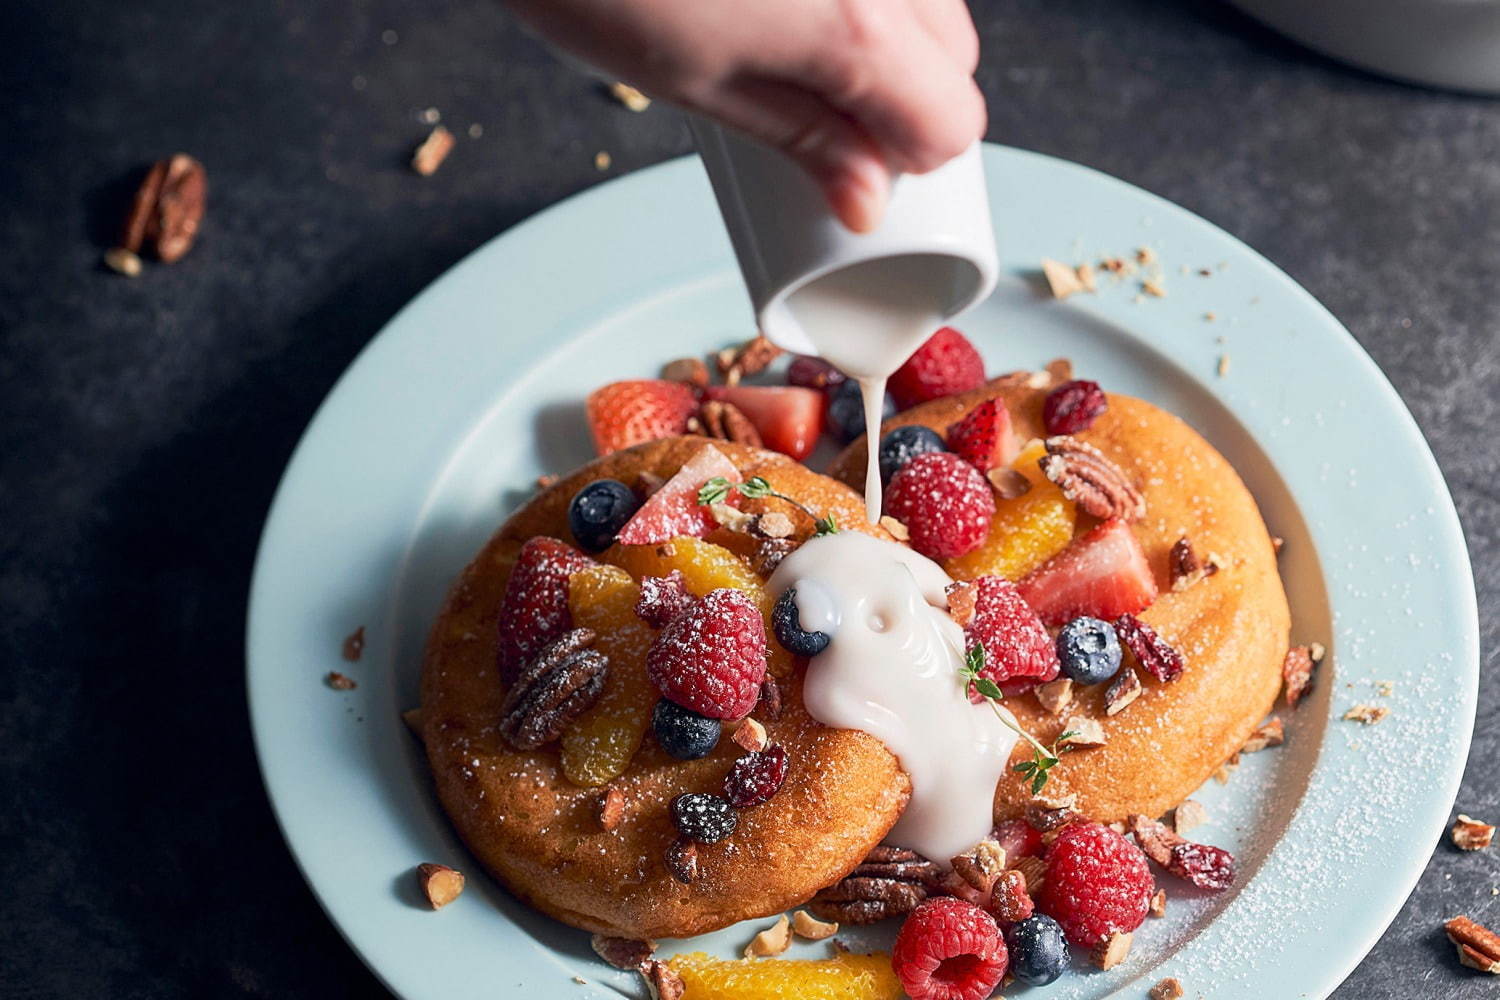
599 744
1027 530
844 977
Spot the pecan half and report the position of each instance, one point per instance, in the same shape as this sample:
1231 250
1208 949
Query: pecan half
167 209
1470 834
1090 480
749 358
661 982
566 678
726 422
1205 866
1151 651
1478 946
890 881
622 953
691 371
1297 671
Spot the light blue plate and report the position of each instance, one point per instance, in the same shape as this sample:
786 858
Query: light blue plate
446 419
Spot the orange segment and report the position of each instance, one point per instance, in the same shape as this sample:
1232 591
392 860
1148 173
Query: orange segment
705 566
1027 530
844 977
598 746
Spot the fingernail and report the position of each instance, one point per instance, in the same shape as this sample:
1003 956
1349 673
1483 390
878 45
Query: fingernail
861 199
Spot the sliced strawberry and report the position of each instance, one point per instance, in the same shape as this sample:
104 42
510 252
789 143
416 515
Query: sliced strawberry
789 418
947 363
623 414
1104 574
534 610
983 438
1019 654
674 511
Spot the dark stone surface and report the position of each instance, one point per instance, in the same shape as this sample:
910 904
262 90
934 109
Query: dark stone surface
143 424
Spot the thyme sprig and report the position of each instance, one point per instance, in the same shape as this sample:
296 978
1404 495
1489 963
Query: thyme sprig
1043 758
717 490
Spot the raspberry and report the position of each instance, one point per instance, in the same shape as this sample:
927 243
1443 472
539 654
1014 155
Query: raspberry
534 610
1073 407
984 438
705 818
947 363
1019 653
949 950
945 504
712 658
1019 838
1098 884
663 598
1151 651
755 777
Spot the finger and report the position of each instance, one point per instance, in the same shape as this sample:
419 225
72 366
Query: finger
949 23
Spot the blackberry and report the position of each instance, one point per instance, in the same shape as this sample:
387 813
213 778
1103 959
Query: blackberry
1089 650
787 625
682 732
704 818
903 444
599 511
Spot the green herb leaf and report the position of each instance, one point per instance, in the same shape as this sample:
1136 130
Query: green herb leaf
974 660
716 490
826 526
755 487
988 688
1038 782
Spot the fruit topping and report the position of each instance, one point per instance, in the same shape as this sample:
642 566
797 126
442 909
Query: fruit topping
663 598
1018 838
983 438
599 511
755 777
845 976
623 414
1073 407
1205 866
846 410
904 443
1098 884
787 418
534 610
947 363
1019 653
712 658
1151 651
1103 574
813 373
1038 950
674 510
949 950
890 881
565 679
1029 527
787 625
704 818
1089 650
682 732
945 504
600 743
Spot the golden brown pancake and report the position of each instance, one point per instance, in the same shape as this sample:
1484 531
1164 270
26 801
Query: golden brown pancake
1232 628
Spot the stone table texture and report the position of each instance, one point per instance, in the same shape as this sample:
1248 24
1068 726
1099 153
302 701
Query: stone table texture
144 424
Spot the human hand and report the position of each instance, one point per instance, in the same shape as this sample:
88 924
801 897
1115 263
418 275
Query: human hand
853 90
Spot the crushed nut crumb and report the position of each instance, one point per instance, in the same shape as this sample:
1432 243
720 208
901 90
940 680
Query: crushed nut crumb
432 152
340 682
895 528
1189 814
750 734
440 884
1158 906
1366 714
1167 989
1055 696
1270 733
1112 950
805 925
610 809
1063 280
1470 834
629 96
772 941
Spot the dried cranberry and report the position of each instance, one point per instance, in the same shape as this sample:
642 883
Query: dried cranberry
1073 407
755 777
1204 865
813 373
1151 650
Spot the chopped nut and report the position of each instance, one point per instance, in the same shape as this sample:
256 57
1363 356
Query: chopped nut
440 884
1060 370
1189 814
661 981
1223 365
622 953
1007 482
961 601
1090 480
1478 946
1366 714
1471 835
354 645
546 481
602 160
1297 671
1167 989
1062 280
750 734
1158 906
340 682
805 925
433 151
1145 256
1124 689
629 96
772 941
1187 569
1153 287
691 371
413 719
1081 731
681 858
1048 814
731 517
895 528
979 868
610 808
1270 733
1117 266
1035 872
773 524
769 704
1385 688
167 209
122 261
1111 951
750 358
770 553
890 881
1204 865
1009 901
1055 696
1226 769
727 422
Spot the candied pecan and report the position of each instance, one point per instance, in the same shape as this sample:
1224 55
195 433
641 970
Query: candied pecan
1270 733
1093 482
770 553
622 953
1151 651
1297 671
1205 866
566 678
1478 946
681 858
1187 569
890 881
1124 689
750 358
1470 834
726 422
167 209
1046 815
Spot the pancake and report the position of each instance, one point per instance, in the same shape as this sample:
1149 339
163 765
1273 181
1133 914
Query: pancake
537 832
1231 628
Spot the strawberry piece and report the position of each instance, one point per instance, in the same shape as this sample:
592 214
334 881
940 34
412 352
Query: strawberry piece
1019 838
983 437
674 511
947 363
623 414
949 949
1104 575
1019 654
712 658
943 502
789 418
534 610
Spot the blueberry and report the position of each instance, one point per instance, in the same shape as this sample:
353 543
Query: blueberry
705 818
599 511
788 628
1038 950
846 410
1089 650
682 732
905 443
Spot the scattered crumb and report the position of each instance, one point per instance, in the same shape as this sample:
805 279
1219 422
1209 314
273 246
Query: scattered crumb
1385 688
1209 317
1167 989
354 645
1159 903
430 116
1153 287
475 130
602 160
123 261
1204 272
1223 365
580 981
629 96
433 151
340 682
1366 714
1470 834
1063 280
1145 256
